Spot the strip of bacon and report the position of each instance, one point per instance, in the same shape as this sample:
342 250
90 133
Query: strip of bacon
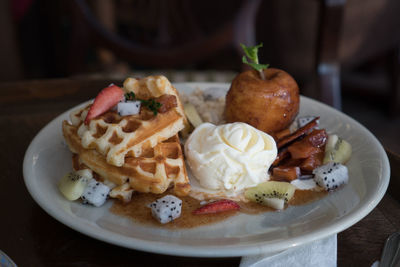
285 173
283 154
300 132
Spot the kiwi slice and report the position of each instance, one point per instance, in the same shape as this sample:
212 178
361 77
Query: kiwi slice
72 185
337 150
272 193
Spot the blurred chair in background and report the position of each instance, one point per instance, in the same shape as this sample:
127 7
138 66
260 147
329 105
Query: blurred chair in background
325 41
161 34
351 33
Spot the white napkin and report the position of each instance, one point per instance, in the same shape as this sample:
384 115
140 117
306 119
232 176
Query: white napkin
318 253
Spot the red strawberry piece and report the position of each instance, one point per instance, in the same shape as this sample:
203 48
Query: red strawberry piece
106 99
217 206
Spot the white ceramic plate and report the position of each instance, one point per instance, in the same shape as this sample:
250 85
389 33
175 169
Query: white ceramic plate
48 159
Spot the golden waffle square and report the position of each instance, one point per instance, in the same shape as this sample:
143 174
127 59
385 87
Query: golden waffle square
154 171
119 137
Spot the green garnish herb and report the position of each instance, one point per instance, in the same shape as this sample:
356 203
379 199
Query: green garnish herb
151 104
130 96
252 53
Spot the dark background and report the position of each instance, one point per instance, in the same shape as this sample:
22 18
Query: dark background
44 39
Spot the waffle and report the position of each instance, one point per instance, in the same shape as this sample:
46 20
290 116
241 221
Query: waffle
154 171
152 87
119 137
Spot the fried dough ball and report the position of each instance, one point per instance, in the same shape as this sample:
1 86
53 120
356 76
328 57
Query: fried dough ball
269 105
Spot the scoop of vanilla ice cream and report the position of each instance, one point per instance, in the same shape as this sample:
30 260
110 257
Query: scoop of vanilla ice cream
229 157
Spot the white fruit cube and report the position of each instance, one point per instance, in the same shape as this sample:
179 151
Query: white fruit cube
166 209
95 193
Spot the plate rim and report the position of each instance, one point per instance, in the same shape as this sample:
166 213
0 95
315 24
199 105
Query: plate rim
345 221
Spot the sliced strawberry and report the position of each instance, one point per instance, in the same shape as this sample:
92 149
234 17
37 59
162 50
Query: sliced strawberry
106 99
217 206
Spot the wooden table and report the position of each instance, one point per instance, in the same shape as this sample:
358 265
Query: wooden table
32 238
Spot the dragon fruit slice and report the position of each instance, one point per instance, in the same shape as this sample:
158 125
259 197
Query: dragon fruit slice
95 193
331 175
128 108
302 121
166 209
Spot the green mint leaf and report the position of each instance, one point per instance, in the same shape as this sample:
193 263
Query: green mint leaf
258 67
251 51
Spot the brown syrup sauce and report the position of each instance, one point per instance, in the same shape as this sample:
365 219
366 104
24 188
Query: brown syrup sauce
138 211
